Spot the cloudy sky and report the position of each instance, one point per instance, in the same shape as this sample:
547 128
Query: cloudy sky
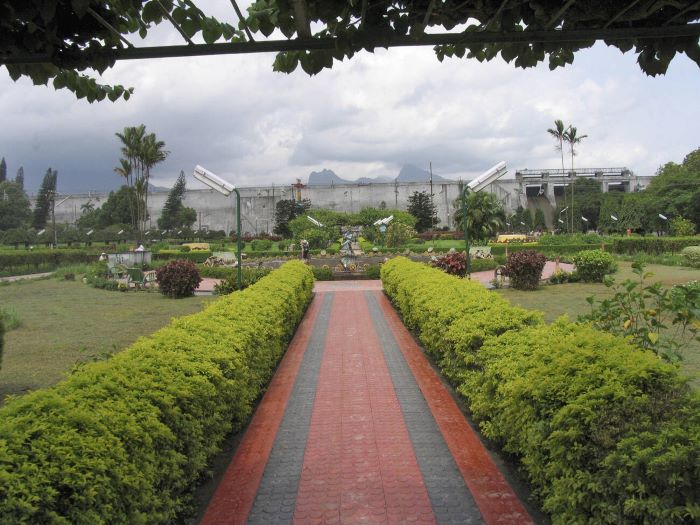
365 117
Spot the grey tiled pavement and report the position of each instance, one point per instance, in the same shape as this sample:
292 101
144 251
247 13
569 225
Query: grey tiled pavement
276 497
452 501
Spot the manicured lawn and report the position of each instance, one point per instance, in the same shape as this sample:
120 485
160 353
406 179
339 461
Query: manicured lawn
570 299
64 322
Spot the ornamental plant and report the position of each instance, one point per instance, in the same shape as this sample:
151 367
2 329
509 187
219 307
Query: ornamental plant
178 278
661 320
524 269
681 227
691 256
593 265
452 263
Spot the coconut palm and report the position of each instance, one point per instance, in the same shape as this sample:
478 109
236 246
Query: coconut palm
485 215
558 133
572 138
152 152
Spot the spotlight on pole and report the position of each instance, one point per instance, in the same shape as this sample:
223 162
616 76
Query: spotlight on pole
614 218
662 216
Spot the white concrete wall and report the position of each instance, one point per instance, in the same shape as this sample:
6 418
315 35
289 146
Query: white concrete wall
216 212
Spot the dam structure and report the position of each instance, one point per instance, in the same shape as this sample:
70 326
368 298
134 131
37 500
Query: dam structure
531 189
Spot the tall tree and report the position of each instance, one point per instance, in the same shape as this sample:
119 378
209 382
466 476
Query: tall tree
285 211
45 199
175 214
14 206
421 206
19 178
675 191
573 139
3 170
141 153
558 133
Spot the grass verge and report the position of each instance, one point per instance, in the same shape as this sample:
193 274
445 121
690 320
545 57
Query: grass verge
65 322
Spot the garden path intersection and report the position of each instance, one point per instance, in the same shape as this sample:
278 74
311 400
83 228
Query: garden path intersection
357 428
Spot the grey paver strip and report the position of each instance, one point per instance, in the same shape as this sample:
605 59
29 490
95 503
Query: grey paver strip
276 496
451 499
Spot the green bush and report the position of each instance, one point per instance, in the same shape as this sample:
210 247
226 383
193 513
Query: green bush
322 273
601 428
681 227
373 271
606 433
691 256
261 245
593 265
2 335
126 440
651 245
178 279
249 276
524 269
451 316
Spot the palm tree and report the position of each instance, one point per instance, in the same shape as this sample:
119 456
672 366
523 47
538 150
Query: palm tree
572 138
558 133
141 152
151 153
485 215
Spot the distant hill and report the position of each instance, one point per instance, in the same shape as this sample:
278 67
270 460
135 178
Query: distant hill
408 173
411 173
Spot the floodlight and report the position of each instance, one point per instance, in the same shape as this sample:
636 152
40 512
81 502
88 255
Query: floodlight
383 222
179 232
560 221
90 232
662 216
145 235
213 181
562 211
40 232
521 222
122 231
613 218
489 176
164 232
314 221
584 219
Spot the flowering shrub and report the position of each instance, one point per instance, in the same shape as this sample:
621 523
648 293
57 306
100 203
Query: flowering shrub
178 278
452 263
524 269
593 265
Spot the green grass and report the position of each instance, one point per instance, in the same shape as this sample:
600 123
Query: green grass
570 299
65 322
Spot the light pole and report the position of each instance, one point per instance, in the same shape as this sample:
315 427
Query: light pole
559 219
225 188
478 184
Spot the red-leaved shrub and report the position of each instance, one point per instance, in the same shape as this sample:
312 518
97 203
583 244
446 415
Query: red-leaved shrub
452 263
524 269
178 278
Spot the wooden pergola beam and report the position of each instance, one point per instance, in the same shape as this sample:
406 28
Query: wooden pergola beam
309 44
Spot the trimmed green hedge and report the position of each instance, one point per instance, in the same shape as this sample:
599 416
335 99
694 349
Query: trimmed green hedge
47 258
125 440
451 316
551 250
652 245
606 433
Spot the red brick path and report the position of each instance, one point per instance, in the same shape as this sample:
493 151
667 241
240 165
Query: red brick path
359 465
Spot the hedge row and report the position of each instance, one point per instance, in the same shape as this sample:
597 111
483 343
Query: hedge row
606 433
551 250
125 440
652 245
43 258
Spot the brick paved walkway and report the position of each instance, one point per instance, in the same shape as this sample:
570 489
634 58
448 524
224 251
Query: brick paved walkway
356 428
